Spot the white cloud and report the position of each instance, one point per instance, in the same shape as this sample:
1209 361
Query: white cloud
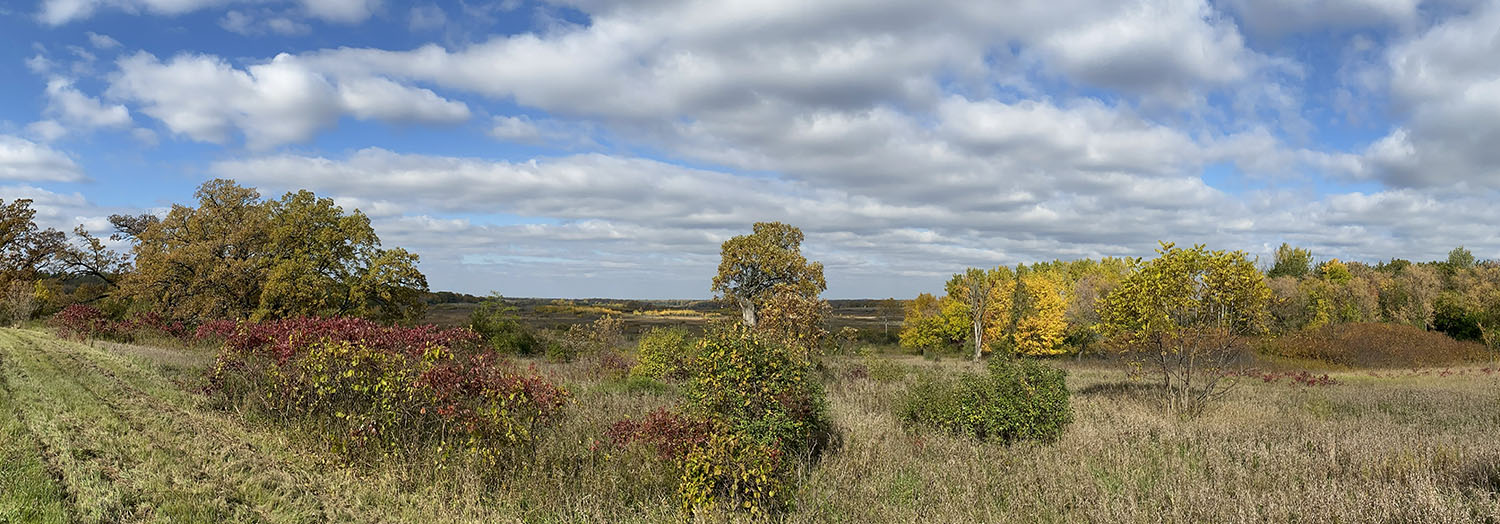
1446 81
342 11
46 130
58 12
281 101
378 98
427 17
76 109
102 41
1166 48
22 159
251 23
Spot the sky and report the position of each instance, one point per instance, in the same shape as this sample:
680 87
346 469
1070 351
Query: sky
590 148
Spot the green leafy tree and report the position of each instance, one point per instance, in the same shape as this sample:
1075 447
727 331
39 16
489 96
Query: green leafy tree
1460 258
1292 262
235 255
768 260
1185 313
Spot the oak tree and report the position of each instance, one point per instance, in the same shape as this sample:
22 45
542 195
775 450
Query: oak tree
770 259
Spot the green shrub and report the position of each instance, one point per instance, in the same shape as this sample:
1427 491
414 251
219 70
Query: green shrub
1015 399
731 470
754 385
769 410
664 353
502 330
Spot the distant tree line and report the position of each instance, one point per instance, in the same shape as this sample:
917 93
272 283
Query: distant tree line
1057 307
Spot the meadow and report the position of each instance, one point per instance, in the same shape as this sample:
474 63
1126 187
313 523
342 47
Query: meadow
108 432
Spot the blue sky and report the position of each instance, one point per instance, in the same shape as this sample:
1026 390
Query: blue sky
595 148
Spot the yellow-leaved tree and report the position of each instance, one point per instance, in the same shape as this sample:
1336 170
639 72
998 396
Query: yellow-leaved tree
1186 314
1040 325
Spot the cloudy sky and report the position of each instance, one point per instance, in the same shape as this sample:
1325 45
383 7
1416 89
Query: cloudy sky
596 148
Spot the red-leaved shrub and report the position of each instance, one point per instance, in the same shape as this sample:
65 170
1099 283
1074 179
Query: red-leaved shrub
80 322
669 434
367 386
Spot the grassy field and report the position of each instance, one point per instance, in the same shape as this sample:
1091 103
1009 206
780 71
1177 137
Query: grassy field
120 433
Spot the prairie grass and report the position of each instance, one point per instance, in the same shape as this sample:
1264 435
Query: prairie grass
120 433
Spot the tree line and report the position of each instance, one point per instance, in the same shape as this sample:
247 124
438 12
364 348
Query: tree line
1059 307
232 255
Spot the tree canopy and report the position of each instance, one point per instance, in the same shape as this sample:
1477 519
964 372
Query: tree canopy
753 267
236 255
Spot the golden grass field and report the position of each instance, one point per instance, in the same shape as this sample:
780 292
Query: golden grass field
121 433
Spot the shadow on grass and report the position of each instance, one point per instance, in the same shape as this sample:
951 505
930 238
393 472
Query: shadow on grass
1125 390
1483 476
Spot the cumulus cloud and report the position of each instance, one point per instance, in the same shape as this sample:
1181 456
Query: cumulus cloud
22 159
1447 83
281 101
58 12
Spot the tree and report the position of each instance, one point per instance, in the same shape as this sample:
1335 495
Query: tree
984 298
923 327
237 256
1187 313
26 250
770 258
1460 258
1291 262
793 318
888 310
92 259
1040 325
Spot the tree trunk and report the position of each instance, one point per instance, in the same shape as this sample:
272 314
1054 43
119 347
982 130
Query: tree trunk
747 312
978 338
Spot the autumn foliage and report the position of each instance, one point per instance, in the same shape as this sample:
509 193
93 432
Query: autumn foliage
367 387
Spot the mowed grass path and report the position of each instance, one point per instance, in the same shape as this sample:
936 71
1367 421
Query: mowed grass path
117 433
107 434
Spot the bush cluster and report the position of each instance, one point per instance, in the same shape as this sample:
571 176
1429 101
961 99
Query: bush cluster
84 322
498 325
366 387
753 409
1375 345
664 353
1014 399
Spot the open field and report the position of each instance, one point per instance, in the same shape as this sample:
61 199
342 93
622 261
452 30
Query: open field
119 433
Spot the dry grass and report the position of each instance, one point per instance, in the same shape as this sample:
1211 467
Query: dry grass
116 433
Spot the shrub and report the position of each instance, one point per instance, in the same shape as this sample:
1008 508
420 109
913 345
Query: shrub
664 353
768 411
1012 400
669 434
612 364
758 386
497 324
367 387
885 370
603 334
1375 345
736 471
80 322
